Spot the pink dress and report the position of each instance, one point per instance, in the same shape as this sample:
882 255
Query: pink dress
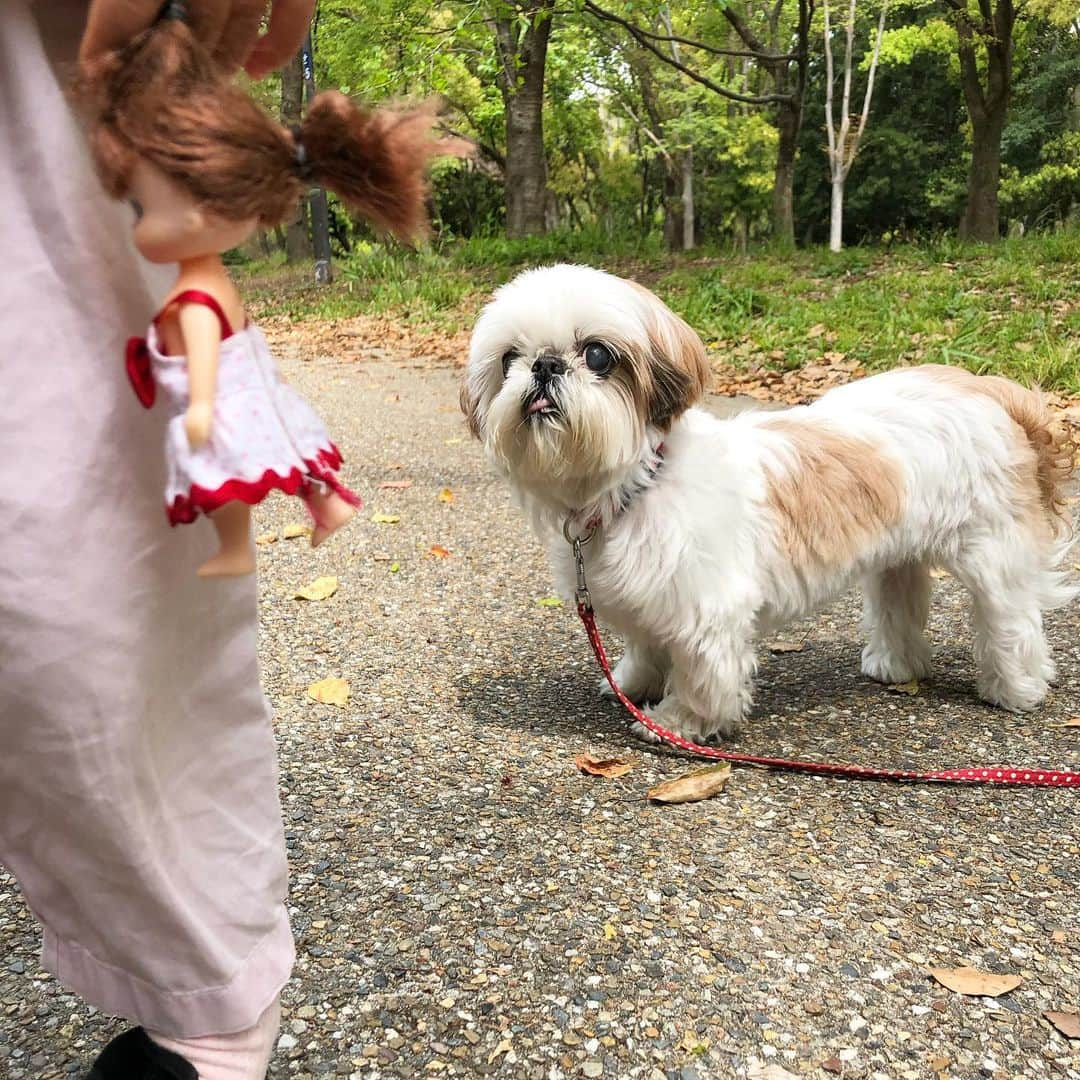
138 778
264 437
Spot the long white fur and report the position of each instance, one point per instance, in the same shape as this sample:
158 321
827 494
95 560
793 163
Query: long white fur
691 572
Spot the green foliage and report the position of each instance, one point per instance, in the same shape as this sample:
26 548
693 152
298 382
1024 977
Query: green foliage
1009 309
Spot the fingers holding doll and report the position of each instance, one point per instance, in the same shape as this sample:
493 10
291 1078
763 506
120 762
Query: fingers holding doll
229 29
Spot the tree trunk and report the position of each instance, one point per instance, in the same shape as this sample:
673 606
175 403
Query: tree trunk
688 200
522 50
297 238
987 93
836 216
673 207
788 122
980 221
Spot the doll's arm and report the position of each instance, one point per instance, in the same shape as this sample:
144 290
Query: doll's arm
201 331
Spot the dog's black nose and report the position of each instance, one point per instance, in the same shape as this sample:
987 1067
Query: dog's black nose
545 368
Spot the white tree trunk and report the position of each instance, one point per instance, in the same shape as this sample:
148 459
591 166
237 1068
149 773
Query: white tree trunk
843 143
836 217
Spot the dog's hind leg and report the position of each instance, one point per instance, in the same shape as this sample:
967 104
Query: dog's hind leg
896 603
1007 581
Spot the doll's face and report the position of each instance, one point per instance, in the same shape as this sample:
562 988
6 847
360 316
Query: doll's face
170 226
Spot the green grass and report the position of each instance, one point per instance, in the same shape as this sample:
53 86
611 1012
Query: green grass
1013 308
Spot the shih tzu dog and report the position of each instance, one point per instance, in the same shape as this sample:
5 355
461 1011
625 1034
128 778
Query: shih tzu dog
707 533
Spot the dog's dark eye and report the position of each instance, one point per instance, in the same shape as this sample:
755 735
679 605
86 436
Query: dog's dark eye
507 359
599 359
137 207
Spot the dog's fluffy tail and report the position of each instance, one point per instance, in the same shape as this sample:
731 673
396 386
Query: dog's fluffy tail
1049 438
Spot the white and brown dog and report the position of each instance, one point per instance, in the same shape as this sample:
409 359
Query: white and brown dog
710 533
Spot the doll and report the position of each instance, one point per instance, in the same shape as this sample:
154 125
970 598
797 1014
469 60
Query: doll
203 166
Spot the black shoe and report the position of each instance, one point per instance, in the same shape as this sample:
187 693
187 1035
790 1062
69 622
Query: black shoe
135 1056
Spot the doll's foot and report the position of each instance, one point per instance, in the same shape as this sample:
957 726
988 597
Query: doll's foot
330 514
229 564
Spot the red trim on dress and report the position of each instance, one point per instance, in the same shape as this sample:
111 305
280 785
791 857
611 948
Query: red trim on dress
322 469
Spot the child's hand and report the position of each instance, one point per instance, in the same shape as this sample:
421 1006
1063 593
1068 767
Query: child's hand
228 28
198 421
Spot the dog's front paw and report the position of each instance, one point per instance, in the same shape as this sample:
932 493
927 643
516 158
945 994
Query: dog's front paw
674 716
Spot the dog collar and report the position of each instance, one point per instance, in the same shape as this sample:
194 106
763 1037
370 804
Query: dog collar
625 497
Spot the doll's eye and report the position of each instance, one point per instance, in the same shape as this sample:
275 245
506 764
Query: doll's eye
508 358
137 207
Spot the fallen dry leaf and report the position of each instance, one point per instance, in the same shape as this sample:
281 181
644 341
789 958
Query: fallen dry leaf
1068 1023
395 485
320 589
833 1065
291 532
437 551
973 982
610 933
909 688
694 786
549 601
332 691
446 495
786 646
693 1043
608 767
386 519
266 538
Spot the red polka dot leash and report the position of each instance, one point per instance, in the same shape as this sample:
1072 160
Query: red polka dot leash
996 774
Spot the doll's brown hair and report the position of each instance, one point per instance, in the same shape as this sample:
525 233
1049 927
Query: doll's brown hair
162 99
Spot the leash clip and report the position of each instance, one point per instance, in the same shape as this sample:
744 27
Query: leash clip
581 593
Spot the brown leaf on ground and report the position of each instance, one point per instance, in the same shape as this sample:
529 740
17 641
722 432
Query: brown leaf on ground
833 1065
295 530
780 646
1068 1023
437 551
694 786
446 495
395 485
909 688
973 982
266 538
607 767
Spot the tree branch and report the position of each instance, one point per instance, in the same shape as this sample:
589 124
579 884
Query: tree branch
643 39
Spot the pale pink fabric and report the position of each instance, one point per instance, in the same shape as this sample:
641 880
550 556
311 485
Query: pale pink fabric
138 784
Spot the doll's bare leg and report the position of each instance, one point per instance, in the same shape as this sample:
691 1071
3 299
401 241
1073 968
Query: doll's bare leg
330 512
236 557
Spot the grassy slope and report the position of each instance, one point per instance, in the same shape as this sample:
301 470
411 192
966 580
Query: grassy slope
1013 308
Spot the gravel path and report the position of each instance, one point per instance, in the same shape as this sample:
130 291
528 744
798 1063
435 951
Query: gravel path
467 904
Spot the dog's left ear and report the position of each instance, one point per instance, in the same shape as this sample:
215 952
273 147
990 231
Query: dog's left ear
678 365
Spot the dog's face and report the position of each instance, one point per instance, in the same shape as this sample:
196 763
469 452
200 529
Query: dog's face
569 367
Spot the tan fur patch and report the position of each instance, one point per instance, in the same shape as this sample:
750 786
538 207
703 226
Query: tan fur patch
675 373
841 493
1045 460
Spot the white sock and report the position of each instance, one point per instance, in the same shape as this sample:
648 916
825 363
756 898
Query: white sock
243 1056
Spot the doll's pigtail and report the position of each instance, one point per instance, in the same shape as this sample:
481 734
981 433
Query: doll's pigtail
376 161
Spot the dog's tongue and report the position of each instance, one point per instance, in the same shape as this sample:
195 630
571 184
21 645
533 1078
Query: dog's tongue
538 404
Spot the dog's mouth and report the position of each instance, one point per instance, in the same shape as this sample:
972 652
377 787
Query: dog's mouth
538 404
